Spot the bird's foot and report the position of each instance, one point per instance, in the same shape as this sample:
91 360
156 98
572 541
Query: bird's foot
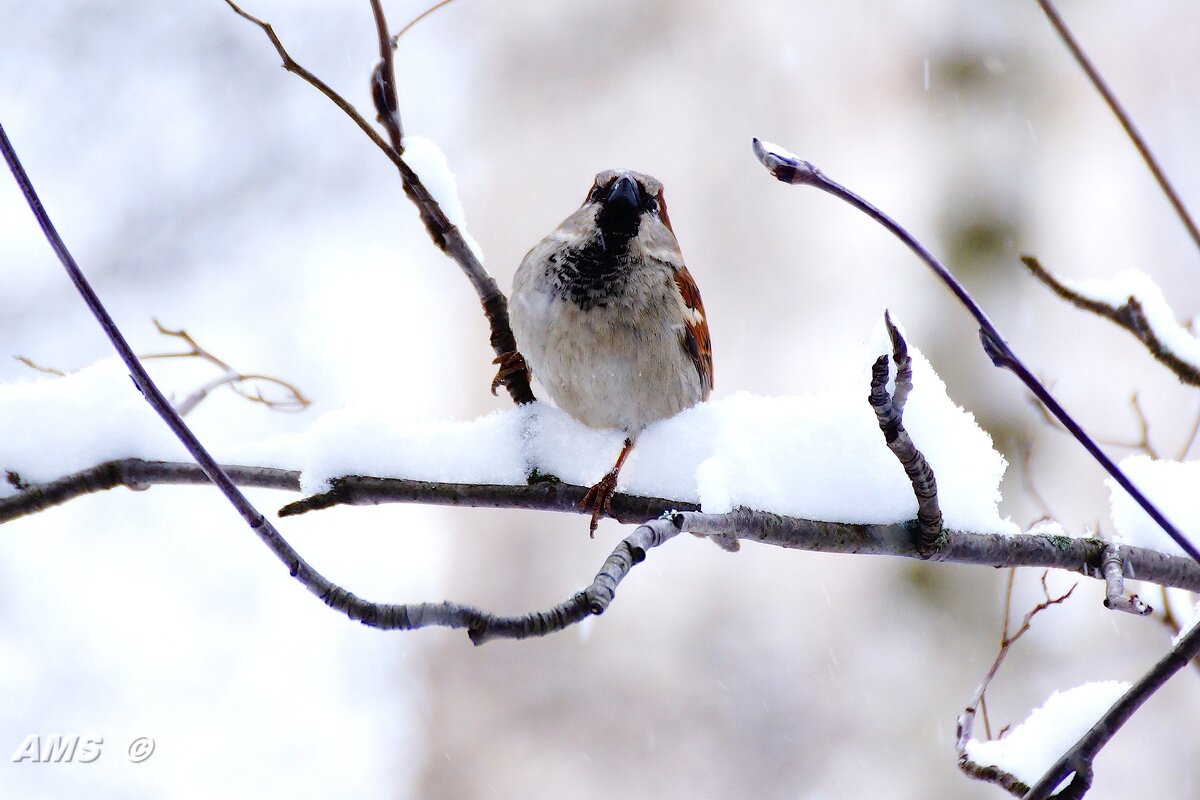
599 499
510 363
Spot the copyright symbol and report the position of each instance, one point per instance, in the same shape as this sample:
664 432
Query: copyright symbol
140 749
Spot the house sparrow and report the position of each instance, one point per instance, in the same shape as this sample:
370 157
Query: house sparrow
609 320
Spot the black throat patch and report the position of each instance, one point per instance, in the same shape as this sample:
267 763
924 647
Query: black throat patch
595 274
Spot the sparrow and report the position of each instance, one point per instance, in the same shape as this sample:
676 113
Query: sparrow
609 320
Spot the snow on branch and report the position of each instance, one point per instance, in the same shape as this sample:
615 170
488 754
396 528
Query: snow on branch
1134 302
816 456
1172 486
449 237
788 168
1011 762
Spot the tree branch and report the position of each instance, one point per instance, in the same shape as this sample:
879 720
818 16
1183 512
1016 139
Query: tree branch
1085 556
1119 112
444 234
1114 580
1079 759
787 168
966 720
1129 316
890 412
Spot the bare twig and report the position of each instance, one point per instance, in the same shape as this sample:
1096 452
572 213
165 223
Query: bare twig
789 169
412 23
1143 427
890 412
1115 598
29 362
1026 450
230 377
444 234
1126 122
1142 443
1129 316
1191 439
966 720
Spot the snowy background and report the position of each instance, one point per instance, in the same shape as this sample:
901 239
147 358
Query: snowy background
200 184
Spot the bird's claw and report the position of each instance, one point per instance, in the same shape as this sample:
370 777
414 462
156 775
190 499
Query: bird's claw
599 500
510 363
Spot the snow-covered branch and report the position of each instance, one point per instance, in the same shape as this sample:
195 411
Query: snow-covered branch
786 167
1132 301
1083 555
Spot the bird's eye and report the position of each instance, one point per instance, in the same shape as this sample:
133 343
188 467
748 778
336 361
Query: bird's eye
652 204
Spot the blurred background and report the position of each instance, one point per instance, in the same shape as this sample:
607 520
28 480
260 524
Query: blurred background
200 184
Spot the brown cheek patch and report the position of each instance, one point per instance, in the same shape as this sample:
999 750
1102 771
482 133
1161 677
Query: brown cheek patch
662 211
696 339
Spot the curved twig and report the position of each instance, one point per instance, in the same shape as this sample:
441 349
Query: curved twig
787 168
966 720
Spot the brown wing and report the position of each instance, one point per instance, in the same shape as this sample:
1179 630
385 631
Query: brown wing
696 341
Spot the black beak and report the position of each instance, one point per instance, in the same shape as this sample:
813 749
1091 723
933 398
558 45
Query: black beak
623 192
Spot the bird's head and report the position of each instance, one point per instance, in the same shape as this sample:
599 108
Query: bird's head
627 205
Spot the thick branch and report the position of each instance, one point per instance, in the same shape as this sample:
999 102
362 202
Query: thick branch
134 474
358 490
1085 556
1129 316
787 168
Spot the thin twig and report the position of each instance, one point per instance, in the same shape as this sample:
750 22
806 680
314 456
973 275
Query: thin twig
446 236
789 169
29 362
231 377
1026 450
294 67
1191 438
966 720
442 4
1130 316
1119 112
